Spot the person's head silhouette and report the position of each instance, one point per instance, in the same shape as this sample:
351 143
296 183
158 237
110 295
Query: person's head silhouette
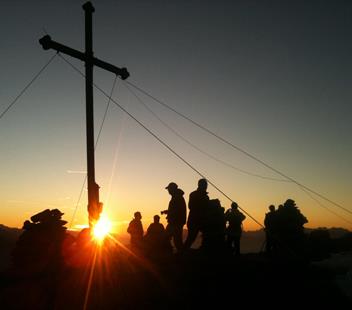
172 187
202 184
234 206
137 215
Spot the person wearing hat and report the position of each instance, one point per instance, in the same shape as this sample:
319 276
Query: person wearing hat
176 215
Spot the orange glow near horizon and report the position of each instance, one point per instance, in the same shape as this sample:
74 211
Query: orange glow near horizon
102 228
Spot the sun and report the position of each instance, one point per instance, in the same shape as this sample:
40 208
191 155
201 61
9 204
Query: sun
102 228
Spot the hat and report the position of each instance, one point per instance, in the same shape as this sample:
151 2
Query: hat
172 186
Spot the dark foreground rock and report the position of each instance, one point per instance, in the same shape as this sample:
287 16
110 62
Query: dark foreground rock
110 277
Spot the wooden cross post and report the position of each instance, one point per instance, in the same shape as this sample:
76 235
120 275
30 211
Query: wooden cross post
94 205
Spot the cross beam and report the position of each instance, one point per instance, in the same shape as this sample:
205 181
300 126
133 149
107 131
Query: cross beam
94 205
47 43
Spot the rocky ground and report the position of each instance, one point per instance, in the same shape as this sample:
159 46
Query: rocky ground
192 280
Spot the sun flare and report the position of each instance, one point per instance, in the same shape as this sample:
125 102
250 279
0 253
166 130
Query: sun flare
102 228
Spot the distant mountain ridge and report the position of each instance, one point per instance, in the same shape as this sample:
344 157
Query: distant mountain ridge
251 242
335 232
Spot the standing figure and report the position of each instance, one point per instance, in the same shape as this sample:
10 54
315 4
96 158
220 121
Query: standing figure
290 227
197 205
176 215
135 229
234 218
155 237
214 227
270 229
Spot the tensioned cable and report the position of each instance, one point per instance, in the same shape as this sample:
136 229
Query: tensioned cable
106 112
213 157
95 147
175 153
325 207
27 86
199 149
164 143
238 148
78 201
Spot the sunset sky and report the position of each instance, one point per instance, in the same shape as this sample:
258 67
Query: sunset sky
271 77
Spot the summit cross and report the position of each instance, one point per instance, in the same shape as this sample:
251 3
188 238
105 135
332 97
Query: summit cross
94 205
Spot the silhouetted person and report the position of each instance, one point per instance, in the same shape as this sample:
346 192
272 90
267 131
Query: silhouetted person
197 205
214 226
155 228
234 218
155 238
290 230
135 229
176 215
270 229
